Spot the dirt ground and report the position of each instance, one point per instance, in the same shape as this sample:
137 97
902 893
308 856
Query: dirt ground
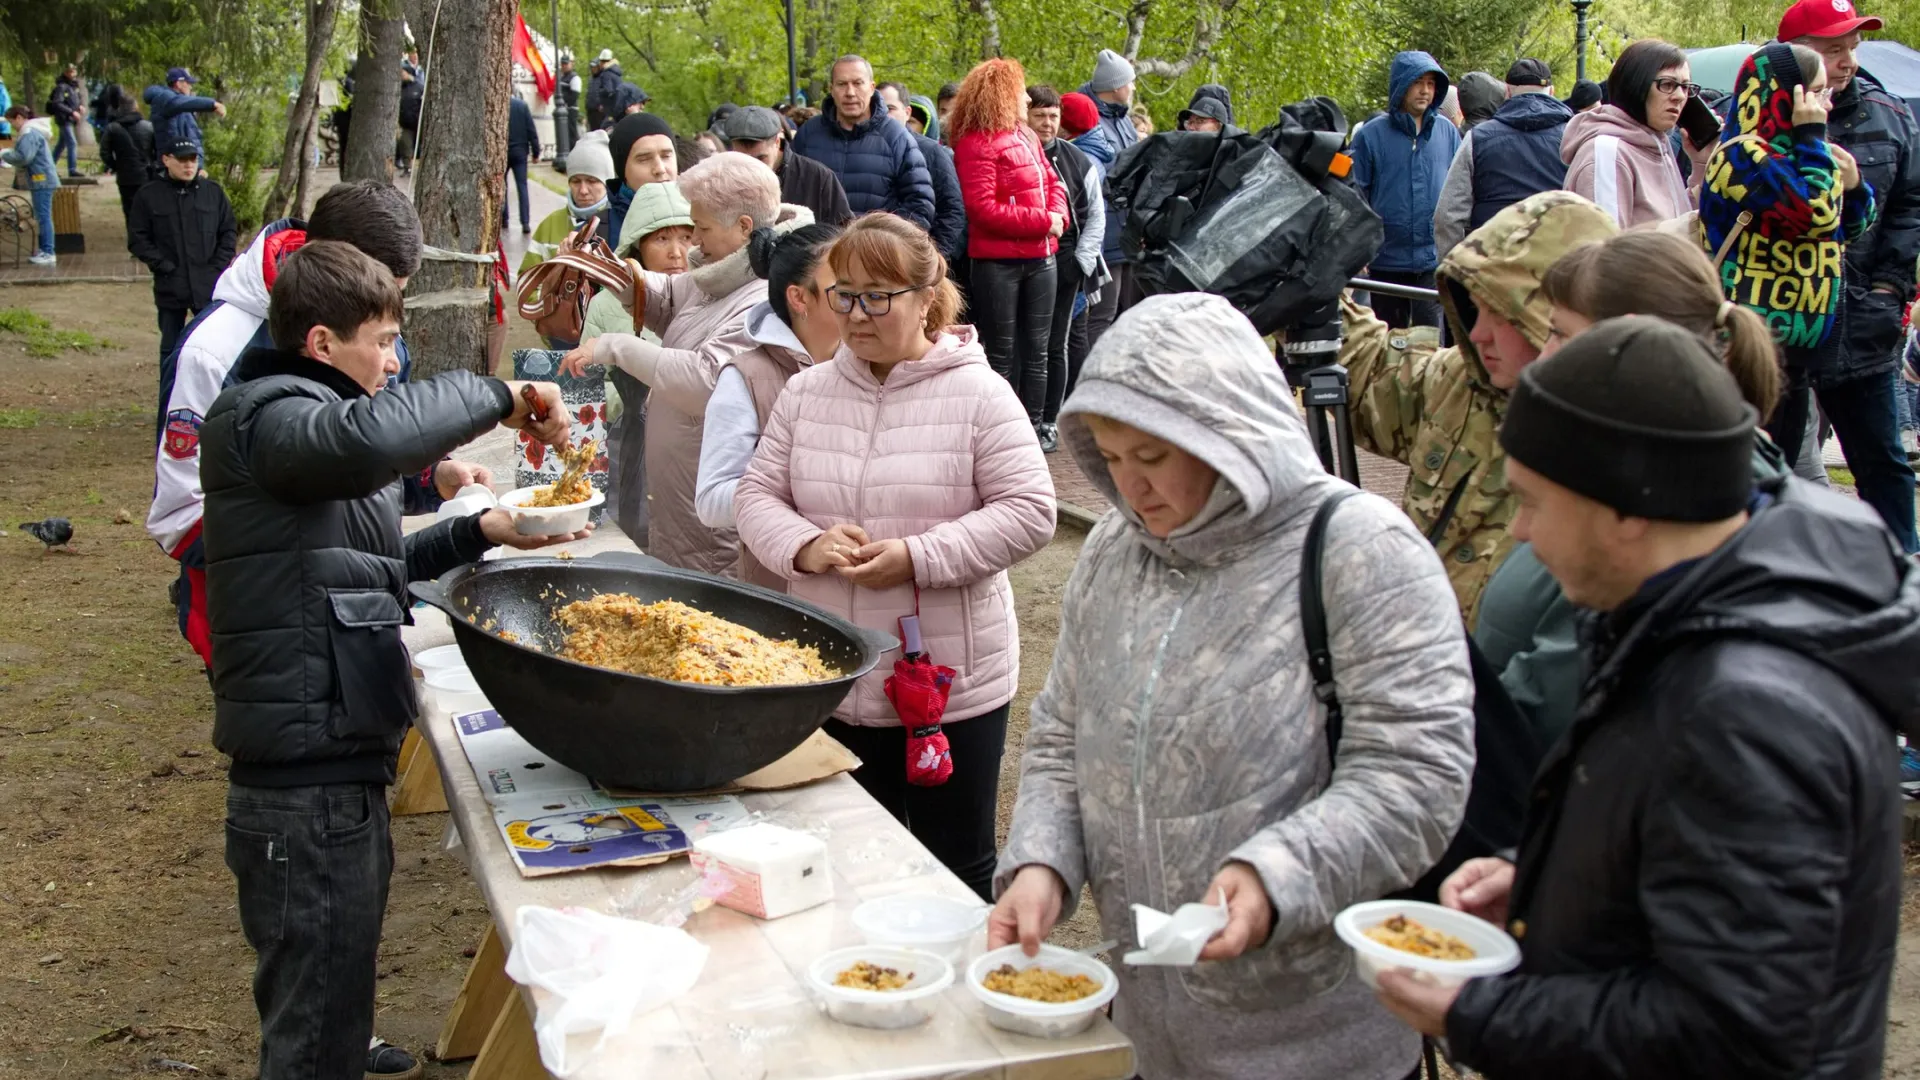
119 944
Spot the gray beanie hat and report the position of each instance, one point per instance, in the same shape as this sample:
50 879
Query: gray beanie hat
591 156
1110 72
1637 415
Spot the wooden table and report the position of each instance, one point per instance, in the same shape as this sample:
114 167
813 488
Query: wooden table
749 1016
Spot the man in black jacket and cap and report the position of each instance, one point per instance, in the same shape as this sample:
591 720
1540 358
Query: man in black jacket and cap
1709 880
306 590
758 132
183 228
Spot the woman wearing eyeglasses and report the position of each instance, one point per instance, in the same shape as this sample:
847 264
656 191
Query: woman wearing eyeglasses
904 477
1619 154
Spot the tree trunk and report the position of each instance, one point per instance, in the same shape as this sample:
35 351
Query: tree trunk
368 154
301 117
307 168
458 182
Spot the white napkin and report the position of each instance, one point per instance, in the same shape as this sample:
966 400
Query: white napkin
1175 940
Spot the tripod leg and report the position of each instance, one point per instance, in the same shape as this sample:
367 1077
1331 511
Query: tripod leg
1349 464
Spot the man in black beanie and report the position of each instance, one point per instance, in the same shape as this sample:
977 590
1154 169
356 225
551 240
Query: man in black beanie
1709 880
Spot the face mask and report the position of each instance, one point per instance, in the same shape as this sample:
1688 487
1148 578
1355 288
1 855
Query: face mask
582 213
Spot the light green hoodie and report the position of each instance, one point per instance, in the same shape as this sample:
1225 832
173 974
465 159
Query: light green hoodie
654 207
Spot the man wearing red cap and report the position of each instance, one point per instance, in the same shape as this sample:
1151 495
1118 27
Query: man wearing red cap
1857 380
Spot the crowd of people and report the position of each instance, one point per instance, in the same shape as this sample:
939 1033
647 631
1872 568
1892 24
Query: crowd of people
1605 598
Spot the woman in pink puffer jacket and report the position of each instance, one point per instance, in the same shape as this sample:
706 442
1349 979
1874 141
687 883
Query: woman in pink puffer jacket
903 476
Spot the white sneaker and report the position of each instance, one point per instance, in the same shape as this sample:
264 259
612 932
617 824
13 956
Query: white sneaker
43 258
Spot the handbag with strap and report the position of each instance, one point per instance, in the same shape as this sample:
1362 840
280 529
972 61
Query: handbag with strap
553 295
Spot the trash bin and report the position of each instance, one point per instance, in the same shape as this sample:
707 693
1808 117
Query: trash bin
67 239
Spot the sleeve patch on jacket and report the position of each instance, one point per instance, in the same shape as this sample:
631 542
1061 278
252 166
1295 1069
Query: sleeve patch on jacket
182 440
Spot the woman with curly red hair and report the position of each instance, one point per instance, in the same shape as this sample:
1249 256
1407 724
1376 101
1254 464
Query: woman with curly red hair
1016 211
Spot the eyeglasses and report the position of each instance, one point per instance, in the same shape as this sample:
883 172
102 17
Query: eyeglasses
1668 85
875 304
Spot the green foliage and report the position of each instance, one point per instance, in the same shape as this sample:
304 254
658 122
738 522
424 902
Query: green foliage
40 338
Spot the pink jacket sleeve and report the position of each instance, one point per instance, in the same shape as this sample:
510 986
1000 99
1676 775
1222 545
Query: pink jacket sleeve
1016 513
977 160
763 503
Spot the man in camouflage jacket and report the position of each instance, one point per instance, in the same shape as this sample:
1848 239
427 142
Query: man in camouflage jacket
1438 411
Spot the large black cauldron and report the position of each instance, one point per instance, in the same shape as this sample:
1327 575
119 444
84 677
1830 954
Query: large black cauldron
628 730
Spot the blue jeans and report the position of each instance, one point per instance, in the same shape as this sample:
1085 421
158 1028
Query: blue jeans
72 145
1865 414
43 219
312 865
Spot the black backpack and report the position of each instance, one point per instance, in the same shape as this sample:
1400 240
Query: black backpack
1506 750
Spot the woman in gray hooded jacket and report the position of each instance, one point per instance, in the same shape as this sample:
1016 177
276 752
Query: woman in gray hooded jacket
1177 752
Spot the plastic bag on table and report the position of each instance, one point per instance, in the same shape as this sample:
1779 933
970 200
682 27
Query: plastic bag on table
598 973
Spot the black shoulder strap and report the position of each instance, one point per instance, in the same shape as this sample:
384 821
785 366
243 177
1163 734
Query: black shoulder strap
1313 616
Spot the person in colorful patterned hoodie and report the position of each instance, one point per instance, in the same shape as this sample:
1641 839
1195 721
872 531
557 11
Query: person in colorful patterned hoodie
1779 201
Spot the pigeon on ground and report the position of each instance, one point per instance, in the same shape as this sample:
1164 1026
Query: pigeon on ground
54 532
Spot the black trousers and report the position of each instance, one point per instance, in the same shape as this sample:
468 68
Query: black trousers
1061 370
1013 310
1116 296
954 820
312 865
517 170
173 322
1400 312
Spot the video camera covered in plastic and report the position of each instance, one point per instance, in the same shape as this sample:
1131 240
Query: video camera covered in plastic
1266 220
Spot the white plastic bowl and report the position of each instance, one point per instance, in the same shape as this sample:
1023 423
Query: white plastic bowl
928 975
548 520
1038 1018
1494 952
939 924
443 656
455 691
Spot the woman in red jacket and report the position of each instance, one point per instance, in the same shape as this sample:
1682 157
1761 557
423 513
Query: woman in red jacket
1016 211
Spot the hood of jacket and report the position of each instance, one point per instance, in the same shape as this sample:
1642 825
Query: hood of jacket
957 346
1094 143
929 113
1500 264
1189 369
1533 112
782 345
652 208
1763 95
127 117
1814 572
1408 66
876 116
247 283
1480 96
1609 120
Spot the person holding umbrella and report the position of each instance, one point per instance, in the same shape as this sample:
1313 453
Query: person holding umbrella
900 481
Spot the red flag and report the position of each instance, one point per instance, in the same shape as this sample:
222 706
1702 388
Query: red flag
527 56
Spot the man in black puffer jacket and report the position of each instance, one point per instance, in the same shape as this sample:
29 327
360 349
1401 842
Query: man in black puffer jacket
1709 881
306 590
127 147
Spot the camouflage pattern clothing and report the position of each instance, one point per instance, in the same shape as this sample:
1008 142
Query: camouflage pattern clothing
1178 729
1434 410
